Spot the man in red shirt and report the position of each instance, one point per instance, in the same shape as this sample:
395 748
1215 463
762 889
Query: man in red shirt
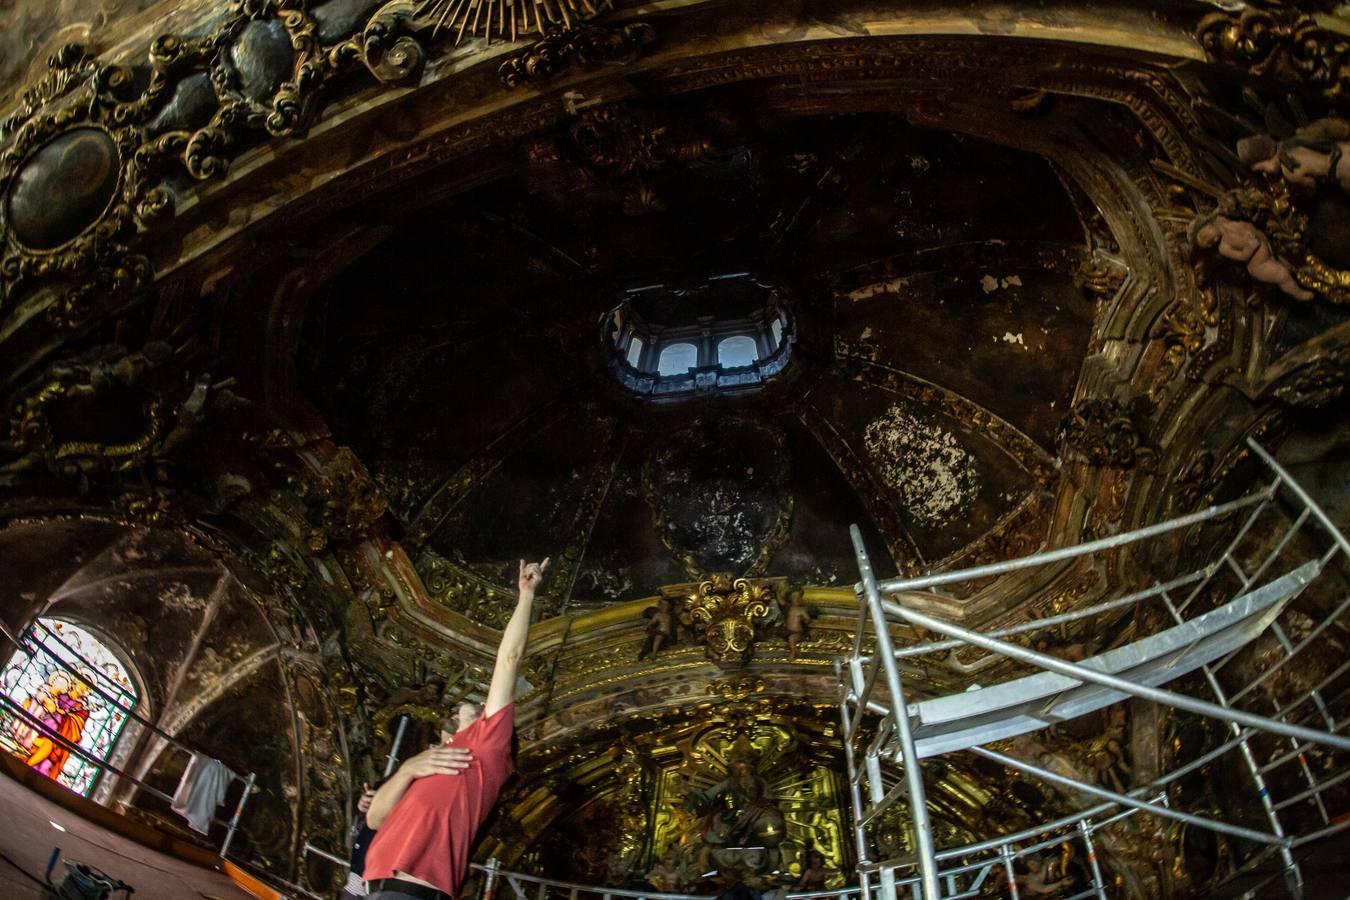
427 815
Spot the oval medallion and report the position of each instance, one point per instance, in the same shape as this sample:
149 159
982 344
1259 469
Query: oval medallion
62 189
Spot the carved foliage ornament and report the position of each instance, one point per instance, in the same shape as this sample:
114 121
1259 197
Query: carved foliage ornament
1316 385
727 615
90 144
158 412
589 45
73 183
1105 432
1284 44
456 588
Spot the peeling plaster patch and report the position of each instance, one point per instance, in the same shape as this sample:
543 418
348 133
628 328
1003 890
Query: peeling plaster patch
868 291
179 596
924 464
613 582
719 503
990 284
1010 338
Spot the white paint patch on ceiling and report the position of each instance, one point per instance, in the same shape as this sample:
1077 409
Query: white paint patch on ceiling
934 475
990 284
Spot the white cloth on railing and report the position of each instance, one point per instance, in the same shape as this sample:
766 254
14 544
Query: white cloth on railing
201 791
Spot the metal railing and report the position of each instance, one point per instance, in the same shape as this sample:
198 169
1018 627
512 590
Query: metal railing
532 887
1284 585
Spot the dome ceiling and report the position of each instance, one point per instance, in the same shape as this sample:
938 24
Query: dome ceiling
941 334
352 341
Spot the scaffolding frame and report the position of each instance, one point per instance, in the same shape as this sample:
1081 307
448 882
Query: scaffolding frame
964 871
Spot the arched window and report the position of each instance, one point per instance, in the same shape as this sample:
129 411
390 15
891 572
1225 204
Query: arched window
634 351
677 359
74 685
737 351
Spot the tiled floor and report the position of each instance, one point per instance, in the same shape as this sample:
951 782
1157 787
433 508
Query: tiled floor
27 837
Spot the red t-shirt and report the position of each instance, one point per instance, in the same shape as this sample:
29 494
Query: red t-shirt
430 830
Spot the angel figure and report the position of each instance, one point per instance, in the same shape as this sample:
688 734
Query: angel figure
815 872
1243 242
796 618
668 875
661 625
1314 154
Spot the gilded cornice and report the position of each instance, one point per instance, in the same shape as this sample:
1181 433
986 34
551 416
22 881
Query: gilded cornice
293 106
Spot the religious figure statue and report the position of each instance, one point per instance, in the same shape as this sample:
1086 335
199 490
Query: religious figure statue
1243 242
661 625
1316 153
739 818
815 872
668 875
796 618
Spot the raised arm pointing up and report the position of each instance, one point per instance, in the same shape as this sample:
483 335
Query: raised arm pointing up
502 689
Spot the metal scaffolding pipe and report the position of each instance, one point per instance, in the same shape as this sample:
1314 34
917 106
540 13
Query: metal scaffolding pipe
1039 624
895 585
1303 496
918 805
1126 800
1080 673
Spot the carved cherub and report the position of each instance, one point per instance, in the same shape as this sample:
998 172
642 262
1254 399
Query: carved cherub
1315 153
1243 242
815 872
667 876
661 626
796 619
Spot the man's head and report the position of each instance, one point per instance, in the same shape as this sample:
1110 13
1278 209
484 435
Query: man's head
465 715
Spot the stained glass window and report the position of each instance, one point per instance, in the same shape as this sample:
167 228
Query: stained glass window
51 676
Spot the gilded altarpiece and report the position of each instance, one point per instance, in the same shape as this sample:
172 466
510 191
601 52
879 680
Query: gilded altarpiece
745 803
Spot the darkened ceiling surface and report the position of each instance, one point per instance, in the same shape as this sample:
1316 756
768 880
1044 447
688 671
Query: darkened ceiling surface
337 324
930 277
